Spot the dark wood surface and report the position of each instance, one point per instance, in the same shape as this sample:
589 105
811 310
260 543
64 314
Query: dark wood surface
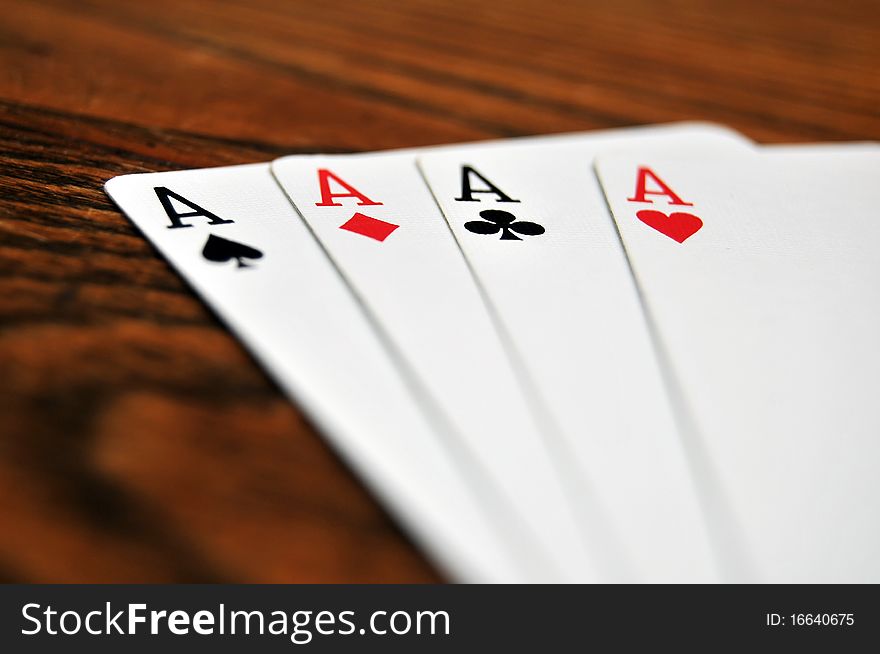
138 441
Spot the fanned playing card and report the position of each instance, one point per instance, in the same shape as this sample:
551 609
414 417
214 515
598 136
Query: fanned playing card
666 373
759 273
533 223
377 221
235 238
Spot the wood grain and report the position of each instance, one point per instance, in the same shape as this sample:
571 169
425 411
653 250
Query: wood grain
138 442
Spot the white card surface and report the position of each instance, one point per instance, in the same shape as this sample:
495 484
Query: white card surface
568 303
417 288
296 315
759 273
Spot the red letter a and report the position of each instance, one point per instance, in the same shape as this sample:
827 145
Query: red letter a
641 190
324 177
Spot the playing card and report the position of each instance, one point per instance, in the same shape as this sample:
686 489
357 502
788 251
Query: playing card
759 276
235 238
379 224
534 226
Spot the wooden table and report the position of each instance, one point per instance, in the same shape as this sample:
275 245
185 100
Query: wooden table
139 441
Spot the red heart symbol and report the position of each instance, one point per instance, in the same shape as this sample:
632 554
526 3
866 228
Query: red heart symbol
677 226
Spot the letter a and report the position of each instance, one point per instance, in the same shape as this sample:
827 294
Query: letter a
641 189
467 192
165 196
324 177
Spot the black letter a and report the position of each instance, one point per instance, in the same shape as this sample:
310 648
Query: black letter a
467 193
165 196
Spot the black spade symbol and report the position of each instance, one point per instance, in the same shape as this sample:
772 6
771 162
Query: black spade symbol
222 250
495 220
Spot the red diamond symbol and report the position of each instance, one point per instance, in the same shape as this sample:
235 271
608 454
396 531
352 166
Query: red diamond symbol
366 226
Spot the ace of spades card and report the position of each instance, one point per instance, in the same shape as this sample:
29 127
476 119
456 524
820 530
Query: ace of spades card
236 239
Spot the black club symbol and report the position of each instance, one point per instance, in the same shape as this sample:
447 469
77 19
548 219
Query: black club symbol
495 220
